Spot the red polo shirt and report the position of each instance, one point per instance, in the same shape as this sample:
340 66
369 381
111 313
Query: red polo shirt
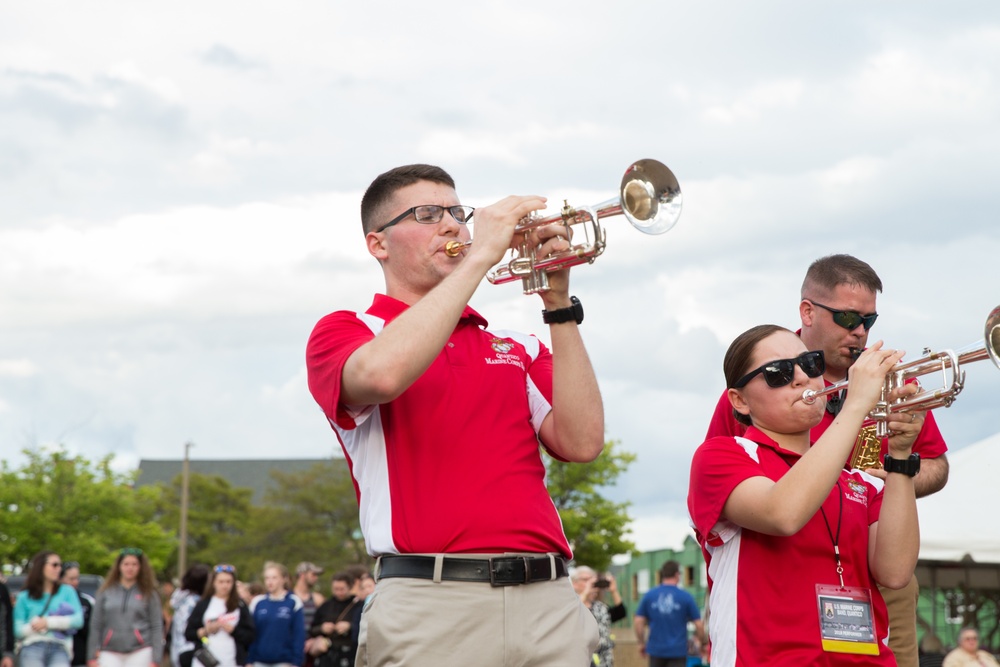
453 464
763 588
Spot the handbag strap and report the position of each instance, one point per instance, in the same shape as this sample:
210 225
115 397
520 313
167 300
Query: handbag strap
49 601
346 609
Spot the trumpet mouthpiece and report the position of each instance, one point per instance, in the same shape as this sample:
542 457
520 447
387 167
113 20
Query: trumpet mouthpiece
454 248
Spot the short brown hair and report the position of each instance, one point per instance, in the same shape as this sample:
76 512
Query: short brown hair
381 190
736 363
345 577
669 570
827 272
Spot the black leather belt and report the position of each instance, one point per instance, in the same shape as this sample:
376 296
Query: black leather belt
500 571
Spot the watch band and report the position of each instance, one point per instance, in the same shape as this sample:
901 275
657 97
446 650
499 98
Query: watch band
572 313
908 466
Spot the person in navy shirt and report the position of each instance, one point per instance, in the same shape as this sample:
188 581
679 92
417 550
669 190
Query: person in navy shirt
280 621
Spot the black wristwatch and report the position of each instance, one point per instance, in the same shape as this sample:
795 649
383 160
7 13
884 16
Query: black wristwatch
909 466
560 315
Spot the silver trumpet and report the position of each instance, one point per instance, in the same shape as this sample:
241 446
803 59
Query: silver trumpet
948 362
649 198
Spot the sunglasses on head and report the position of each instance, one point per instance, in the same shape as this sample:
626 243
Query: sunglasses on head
130 551
849 319
225 568
780 372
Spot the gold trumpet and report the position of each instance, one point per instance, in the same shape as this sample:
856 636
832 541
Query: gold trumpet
948 362
649 198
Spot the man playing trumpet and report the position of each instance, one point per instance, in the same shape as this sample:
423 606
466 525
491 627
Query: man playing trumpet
440 417
837 311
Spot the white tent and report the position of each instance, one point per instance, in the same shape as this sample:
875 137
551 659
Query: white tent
959 525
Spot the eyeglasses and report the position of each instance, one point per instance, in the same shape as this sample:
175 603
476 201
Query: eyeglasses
225 568
849 319
780 372
54 563
130 551
428 214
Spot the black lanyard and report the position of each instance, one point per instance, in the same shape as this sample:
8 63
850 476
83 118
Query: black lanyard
835 539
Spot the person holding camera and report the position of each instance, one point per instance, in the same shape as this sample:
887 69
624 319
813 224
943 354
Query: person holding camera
589 586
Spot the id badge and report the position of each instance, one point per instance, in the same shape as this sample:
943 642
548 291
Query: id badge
845 619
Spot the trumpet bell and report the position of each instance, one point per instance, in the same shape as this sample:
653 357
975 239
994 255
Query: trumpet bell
992 336
651 197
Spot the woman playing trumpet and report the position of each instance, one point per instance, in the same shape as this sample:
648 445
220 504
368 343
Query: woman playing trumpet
794 543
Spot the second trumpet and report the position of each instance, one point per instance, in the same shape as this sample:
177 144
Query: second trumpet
947 362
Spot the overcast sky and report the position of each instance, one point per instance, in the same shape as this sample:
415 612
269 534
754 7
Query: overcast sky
180 186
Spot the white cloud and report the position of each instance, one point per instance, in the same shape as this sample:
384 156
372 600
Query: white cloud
665 529
17 368
753 104
129 72
508 145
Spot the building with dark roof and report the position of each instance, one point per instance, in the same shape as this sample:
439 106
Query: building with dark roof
252 474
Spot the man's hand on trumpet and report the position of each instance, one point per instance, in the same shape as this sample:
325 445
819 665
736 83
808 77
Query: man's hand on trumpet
495 224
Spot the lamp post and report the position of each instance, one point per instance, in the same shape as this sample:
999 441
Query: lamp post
185 476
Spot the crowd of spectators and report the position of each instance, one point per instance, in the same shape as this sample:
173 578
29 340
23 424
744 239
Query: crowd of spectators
270 620
210 618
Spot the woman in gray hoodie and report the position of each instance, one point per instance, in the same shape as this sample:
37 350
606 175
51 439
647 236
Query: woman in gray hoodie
126 628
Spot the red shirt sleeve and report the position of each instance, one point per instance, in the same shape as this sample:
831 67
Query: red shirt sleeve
719 465
929 443
332 342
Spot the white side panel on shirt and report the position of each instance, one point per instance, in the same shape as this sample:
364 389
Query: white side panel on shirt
365 445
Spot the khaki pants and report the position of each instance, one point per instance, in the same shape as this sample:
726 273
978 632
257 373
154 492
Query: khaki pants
902 607
417 622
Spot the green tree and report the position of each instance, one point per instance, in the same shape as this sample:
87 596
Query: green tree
310 515
83 511
219 515
595 526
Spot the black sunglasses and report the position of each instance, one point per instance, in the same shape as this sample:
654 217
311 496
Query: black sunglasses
428 214
849 319
780 372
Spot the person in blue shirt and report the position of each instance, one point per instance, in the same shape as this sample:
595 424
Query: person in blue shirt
666 611
46 614
280 621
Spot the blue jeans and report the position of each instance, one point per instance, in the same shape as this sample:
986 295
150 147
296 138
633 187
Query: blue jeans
43 654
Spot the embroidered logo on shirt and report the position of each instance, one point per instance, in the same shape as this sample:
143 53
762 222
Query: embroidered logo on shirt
858 492
502 348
